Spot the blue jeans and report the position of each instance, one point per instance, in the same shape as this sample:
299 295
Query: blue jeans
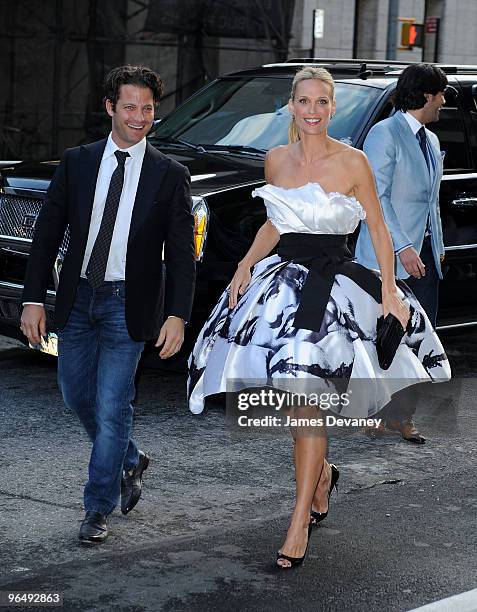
97 362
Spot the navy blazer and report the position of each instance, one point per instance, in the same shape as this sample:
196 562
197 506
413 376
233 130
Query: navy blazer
161 222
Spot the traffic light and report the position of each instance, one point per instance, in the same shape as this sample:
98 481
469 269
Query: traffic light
412 34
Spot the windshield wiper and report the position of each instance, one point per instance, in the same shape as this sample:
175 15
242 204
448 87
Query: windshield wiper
236 149
171 140
216 148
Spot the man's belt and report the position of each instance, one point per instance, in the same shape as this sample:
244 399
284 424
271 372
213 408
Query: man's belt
325 256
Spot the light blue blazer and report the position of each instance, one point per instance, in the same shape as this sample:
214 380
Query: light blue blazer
408 192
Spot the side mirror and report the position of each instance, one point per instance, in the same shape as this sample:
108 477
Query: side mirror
451 95
155 123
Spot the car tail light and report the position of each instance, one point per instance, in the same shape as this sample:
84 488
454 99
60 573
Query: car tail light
200 210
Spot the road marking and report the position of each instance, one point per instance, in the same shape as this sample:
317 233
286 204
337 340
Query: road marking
464 602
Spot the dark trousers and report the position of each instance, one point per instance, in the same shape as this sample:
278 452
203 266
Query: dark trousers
426 290
97 362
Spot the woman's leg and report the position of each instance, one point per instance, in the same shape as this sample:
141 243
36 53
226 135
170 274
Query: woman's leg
310 450
320 497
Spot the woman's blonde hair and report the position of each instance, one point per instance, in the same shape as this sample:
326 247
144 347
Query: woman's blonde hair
309 72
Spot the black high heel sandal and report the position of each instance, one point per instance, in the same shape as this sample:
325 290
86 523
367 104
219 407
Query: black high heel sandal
295 561
317 517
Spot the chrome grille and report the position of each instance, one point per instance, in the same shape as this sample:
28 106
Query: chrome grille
18 217
10 309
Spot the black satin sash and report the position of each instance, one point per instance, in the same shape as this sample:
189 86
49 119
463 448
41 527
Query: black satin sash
325 255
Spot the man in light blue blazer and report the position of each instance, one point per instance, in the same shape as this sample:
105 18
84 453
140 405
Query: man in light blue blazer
407 165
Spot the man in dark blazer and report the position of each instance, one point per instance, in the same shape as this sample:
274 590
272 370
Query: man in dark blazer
125 204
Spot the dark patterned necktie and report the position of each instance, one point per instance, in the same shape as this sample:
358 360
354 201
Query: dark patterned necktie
421 136
99 255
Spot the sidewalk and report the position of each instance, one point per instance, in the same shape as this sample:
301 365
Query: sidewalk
400 534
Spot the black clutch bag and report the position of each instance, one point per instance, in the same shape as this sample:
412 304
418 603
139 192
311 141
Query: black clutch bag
389 335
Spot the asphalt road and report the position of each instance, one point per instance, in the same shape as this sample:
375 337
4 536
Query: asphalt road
401 531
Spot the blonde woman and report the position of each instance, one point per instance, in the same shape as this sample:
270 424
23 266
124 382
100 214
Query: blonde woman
309 312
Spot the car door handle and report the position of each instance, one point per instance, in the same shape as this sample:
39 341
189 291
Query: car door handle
464 202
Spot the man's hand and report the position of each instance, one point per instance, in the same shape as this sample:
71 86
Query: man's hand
412 262
33 322
171 336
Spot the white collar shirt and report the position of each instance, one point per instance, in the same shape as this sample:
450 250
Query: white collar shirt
116 266
415 126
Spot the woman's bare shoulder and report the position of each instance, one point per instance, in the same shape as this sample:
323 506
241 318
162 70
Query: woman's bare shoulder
274 160
277 153
350 155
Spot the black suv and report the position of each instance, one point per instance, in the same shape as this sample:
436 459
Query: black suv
222 133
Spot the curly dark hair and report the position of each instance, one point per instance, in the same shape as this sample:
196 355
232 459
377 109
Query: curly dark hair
141 76
414 82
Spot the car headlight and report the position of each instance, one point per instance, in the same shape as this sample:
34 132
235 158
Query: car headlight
201 213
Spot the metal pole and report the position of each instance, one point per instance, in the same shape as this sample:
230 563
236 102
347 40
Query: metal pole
312 49
436 47
426 7
10 106
393 16
355 29
56 89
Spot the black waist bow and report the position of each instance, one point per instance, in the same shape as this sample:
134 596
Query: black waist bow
325 256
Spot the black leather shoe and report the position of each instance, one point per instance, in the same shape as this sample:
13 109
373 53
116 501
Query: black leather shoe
94 529
294 561
317 517
131 484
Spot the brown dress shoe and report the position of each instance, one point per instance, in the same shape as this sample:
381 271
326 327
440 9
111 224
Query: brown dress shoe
408 430
375 431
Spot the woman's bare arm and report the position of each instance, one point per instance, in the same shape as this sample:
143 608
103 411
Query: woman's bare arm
266 239
365 191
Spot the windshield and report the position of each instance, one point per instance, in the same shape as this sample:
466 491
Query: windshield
252 112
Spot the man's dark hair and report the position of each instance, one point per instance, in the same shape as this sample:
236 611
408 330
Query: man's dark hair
140 76
414 82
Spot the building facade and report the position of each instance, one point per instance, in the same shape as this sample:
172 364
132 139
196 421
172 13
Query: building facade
372 29
54 55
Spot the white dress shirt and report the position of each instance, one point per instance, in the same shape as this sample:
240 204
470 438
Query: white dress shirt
116 266
415 126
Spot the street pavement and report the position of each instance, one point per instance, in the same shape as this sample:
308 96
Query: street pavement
401 532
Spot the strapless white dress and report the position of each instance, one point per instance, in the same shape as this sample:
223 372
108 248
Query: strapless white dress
258 341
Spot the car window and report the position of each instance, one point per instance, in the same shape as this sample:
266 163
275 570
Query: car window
468 84
473 132
386 111
253 112
450 130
